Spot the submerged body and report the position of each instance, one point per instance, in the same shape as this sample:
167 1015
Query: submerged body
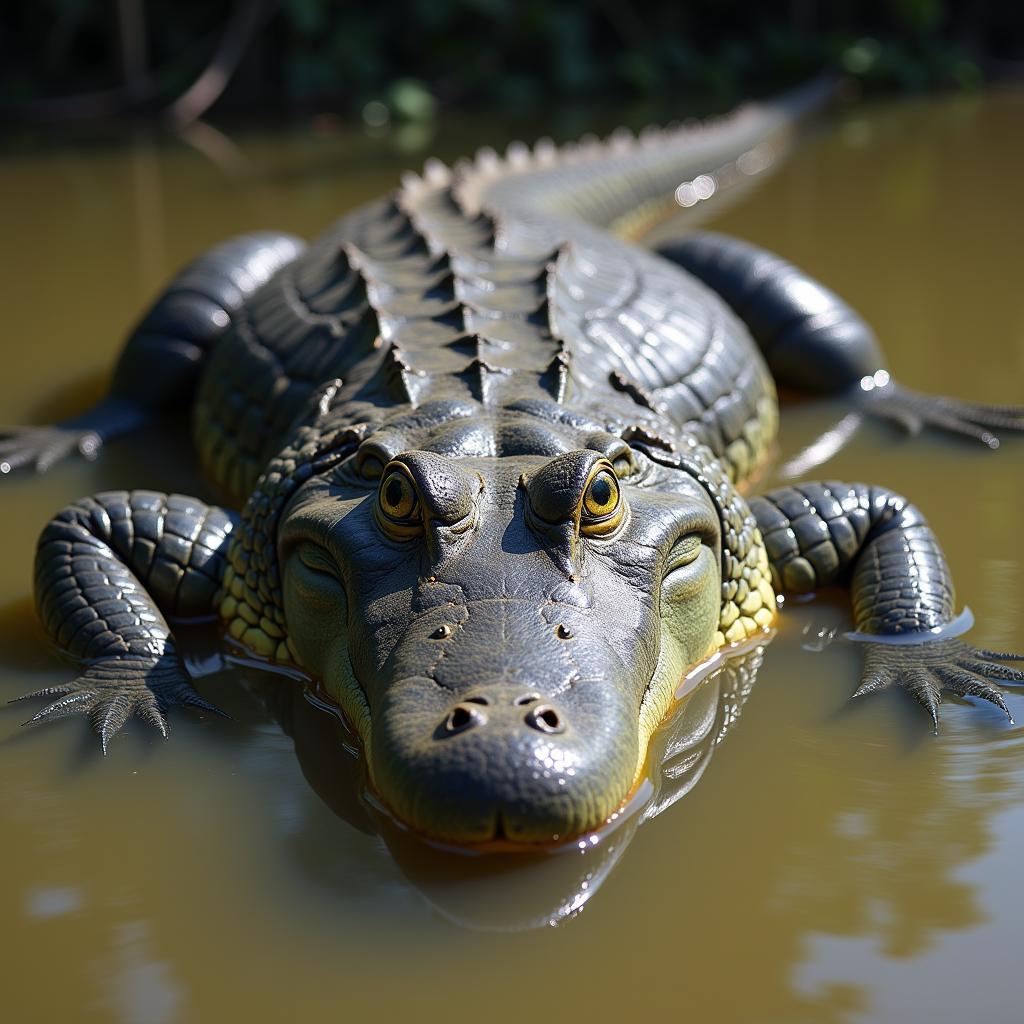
490 458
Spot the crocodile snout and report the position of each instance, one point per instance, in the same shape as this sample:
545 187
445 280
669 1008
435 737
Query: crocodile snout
504 761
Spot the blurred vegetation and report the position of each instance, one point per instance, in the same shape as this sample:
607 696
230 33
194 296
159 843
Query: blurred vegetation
403 58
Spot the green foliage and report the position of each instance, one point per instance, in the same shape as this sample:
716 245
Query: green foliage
412 55
522 52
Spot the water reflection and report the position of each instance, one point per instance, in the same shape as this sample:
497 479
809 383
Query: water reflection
510 891
139 988
43 902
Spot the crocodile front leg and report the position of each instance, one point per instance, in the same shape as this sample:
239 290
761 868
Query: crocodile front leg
108 569
818 534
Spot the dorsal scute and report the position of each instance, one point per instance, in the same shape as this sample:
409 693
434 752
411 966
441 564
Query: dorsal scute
396 378
479 376
436 173
600 180
498 312
434 208
555 378
466 343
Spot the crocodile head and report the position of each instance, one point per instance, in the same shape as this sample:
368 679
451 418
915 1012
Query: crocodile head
504 631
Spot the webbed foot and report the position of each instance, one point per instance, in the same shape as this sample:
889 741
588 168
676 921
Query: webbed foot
913 411
111 691
925 669
39 448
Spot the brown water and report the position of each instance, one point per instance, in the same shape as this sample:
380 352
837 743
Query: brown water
832 863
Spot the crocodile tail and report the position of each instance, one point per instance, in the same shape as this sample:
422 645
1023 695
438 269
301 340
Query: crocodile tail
626 183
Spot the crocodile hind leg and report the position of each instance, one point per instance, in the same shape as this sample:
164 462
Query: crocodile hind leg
814 342
818 534
108 570
159 366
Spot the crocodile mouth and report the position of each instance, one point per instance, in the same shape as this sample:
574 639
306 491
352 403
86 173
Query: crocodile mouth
500 841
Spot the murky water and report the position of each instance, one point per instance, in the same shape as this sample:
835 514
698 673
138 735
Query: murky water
830 863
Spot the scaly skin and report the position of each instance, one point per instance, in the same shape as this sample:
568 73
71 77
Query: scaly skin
489 456
494 360
107 570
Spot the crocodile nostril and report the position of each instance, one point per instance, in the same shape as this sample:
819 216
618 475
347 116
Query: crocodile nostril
544 718
477 699
463 717
526 698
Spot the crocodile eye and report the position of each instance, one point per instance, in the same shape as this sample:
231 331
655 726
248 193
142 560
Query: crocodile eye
602 495
371 468
602 503
398 505
397 498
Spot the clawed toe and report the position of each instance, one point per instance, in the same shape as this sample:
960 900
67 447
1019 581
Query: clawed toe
995 671
912 411
921 685
109 714
999 655
63 708
925 669
966 684
39 448
109 693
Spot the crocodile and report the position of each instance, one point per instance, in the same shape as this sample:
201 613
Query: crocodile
490 455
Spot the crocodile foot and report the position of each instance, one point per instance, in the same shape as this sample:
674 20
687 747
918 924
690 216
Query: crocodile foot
913 411
39 448
925 669
111 691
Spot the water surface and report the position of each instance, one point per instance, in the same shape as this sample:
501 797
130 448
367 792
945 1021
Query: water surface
831 863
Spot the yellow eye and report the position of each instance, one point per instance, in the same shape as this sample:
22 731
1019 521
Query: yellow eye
397 498
601 495
602 505
398 506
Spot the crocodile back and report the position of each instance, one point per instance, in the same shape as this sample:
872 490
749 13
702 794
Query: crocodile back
495 281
